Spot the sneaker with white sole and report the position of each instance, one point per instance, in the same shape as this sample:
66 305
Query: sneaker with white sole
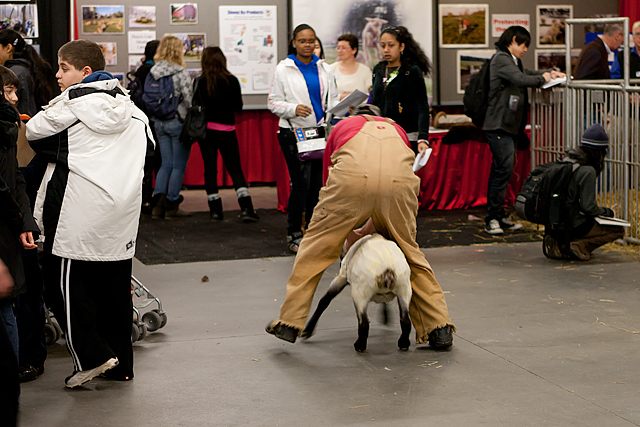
81 377
493 227
507 224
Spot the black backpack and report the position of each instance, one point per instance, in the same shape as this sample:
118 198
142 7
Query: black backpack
136 89
476 95
543 197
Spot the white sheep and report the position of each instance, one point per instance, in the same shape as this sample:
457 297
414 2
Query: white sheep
377 270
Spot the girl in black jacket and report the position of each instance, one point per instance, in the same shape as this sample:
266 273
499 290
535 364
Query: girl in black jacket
399 89
219 92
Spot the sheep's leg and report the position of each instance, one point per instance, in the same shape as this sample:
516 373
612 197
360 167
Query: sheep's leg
384 314
405 324
363 326
337 285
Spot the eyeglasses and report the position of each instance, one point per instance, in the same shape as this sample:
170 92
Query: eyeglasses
312 41
394 30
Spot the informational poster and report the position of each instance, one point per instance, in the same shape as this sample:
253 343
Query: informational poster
139 39
248 38
502 21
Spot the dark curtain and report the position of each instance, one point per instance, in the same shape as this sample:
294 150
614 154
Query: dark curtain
53 19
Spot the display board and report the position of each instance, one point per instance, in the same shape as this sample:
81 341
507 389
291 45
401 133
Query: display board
122 27
249 40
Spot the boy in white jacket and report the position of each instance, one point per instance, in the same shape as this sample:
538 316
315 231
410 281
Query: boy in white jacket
88 205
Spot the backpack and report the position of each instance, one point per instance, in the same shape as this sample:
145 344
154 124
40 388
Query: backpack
136 89
159 97
543 197
476 95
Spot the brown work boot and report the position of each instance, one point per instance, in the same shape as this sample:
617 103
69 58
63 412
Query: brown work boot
578 252
551 248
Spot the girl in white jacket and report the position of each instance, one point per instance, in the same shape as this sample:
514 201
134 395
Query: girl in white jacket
303 89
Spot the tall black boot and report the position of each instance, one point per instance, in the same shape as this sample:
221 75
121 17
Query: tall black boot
247 214
159 208
215 210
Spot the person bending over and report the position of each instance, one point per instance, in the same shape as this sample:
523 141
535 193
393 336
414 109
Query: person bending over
370 175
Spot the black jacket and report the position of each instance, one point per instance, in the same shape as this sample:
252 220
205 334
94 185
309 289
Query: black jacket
26 98
593 62
581 195
404 100
227 100
15 210
508 93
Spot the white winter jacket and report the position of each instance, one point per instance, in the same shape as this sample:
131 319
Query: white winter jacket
289 89
89 201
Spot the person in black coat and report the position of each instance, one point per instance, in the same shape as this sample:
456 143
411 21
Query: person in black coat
593 62
218 91
585 234
398 86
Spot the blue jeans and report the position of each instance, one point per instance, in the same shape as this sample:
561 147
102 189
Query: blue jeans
6 311
174 159
503 150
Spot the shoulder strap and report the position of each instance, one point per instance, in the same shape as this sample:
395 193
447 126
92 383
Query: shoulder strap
371 119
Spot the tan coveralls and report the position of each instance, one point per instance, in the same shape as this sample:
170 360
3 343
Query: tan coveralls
371 177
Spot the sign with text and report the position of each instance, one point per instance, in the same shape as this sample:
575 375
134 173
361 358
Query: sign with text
502 21
248 38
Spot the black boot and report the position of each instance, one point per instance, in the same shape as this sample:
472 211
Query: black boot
159 209
215 210
247 214
173 209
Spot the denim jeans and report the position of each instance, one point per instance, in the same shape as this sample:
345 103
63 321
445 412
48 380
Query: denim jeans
503 150
6 311
174 159
306 181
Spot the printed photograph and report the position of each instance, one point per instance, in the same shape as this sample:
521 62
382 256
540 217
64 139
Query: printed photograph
464 25
468 63
120 77
193 45
142 16
22 18
110 52
184 13
102 19
551 26
554 59
194 72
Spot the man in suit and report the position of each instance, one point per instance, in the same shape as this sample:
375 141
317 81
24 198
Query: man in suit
593 62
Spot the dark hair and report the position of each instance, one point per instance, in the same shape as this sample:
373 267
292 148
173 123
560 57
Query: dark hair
150 50
41 71
8 77
413 53
82 53
301 27
520 33
6 108
353 42
214 67
321 48
594 157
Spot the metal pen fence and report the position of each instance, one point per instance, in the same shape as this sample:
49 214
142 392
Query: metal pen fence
560 115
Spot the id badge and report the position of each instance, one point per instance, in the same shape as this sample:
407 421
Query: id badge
513 102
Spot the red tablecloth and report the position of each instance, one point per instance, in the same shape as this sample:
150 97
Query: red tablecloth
455 177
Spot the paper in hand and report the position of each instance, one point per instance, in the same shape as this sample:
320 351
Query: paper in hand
422 159
354 99
554 82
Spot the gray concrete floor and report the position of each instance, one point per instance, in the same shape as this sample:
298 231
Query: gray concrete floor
539 343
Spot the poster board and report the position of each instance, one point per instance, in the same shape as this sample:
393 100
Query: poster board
249 40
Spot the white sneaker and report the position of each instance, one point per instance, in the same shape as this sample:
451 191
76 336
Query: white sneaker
493 227
81 377
507 224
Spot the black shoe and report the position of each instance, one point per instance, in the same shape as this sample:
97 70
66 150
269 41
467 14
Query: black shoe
284 332
158 211
441 338
30 373
173 210
215 210
247 214
293 241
